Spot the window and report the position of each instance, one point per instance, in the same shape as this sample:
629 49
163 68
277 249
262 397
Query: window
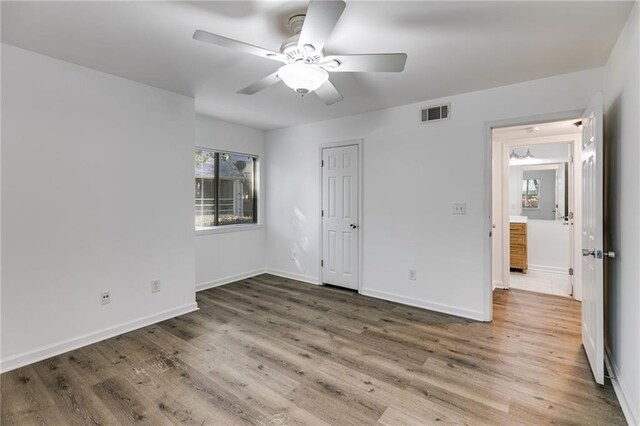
531 193
225 189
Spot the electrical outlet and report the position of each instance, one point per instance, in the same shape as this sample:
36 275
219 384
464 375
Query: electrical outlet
459 208
105 298
155 286
412 274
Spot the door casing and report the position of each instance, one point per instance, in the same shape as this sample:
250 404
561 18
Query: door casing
359 143
574 142
488 155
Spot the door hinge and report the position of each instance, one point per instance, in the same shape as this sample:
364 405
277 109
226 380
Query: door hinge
570 271
321 163
322 263
322 213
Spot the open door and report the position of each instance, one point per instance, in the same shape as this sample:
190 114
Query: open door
592 238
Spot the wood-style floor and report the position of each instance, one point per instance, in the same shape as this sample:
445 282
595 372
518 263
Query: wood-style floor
272 351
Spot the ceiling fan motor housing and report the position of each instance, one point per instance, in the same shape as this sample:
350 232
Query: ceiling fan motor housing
290 49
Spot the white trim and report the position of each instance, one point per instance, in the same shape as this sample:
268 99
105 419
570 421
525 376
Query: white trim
293 276
425 304
48 351
360 144
632 417
551 269
228 228
228 280
498 284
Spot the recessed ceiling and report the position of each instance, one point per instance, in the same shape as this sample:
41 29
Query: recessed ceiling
453 47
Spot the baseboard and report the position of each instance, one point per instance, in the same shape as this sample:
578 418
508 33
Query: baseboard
45 352
425 304
552 269
228 280
293 276
630 413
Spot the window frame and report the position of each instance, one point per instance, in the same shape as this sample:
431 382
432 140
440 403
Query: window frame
233 227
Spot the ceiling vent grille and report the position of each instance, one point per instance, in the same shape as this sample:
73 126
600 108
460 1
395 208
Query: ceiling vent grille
435 113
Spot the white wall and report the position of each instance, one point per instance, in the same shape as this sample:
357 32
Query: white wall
622 142
226 257
515 190
97 191
548 246
412 174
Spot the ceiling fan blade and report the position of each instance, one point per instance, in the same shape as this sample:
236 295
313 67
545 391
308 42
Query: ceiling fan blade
261 84
381 62
237 45
319 22
328 93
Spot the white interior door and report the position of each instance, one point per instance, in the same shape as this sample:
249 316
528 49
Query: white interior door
592 238
340 216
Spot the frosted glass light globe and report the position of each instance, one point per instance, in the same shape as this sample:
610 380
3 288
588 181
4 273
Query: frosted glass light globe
303 78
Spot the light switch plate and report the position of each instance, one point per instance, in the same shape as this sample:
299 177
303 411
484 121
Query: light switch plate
459 208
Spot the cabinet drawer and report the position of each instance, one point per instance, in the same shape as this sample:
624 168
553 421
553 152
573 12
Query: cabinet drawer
518 250
518 262
518 239
518 229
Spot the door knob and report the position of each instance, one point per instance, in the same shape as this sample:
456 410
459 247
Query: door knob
609 254
353 226
586 252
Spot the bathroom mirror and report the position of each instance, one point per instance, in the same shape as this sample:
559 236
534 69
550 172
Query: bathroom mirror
545 191
539 181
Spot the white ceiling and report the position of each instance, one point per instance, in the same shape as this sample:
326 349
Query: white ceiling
543 154
453 47
555 128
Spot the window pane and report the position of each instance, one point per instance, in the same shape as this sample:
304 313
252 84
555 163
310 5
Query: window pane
531 193
204 164
236 190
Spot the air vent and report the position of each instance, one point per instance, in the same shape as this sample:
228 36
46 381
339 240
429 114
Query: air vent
435 113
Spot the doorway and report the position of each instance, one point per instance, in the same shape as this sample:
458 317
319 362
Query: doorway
535 211
341 214
589 253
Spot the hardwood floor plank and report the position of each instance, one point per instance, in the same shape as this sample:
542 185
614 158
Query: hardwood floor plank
125 403
273 351
75 401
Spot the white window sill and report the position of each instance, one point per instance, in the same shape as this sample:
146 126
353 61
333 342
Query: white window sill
229 228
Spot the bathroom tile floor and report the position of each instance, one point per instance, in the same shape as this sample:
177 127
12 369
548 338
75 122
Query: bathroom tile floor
542 282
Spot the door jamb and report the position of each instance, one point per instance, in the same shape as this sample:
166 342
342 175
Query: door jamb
360 144
489 125
573 141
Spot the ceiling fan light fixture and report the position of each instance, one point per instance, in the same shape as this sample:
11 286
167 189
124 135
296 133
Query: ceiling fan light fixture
303 78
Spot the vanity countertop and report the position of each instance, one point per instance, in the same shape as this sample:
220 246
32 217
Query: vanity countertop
518 219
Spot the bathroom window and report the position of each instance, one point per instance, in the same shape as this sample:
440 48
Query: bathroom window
531 193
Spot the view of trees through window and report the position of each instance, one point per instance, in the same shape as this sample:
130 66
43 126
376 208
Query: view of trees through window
531 193
225 188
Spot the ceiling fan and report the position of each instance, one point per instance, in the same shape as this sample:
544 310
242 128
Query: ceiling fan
307 67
